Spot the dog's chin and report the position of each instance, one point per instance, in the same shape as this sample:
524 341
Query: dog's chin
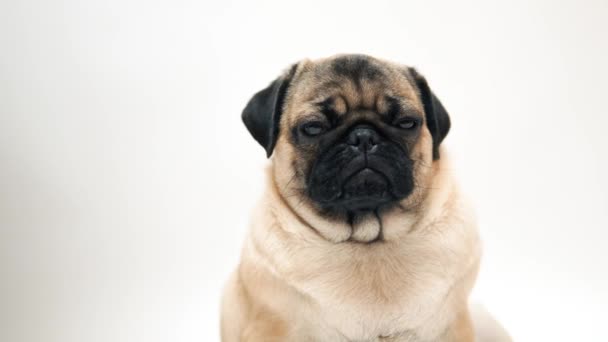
365 190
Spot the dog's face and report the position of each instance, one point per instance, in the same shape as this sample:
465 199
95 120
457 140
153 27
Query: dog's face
351 135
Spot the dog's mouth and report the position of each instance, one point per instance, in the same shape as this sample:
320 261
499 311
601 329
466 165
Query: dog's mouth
365 189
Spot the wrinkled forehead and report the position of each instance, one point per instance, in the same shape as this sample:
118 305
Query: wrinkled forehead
352 82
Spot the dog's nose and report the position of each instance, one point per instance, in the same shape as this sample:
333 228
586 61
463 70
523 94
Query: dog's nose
363 137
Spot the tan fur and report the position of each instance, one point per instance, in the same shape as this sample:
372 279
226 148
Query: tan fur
306 277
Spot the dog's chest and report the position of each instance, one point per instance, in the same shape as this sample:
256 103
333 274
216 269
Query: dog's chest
380 319
378 296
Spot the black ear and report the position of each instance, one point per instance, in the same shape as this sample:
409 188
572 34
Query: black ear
263 112
437 118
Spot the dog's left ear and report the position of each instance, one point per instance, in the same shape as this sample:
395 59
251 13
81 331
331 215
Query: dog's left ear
437 118
262 114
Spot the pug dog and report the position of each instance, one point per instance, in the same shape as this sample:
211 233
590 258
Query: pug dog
362 233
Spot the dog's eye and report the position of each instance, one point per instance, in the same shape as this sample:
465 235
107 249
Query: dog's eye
313 128
407 123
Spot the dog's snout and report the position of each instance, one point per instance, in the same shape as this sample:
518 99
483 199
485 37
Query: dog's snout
363 137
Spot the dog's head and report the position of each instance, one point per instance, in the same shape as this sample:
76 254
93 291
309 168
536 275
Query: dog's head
351 136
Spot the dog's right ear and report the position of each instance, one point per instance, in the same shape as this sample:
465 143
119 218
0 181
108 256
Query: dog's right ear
262 114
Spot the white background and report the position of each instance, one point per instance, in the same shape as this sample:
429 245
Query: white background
127 178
